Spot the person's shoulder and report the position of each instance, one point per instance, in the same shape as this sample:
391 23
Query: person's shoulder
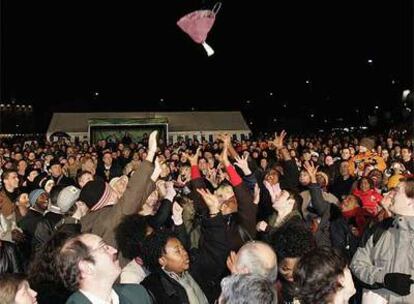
132 292
78 298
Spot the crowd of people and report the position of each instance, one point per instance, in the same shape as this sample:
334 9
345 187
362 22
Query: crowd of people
284 219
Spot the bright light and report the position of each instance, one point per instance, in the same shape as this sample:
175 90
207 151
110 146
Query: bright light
370 61
248 101
271 93
405 94
96 93
162 99
376 107
307 81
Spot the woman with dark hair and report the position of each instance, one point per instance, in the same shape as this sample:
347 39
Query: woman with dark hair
129 236
322 276
42 273
178 276
14 289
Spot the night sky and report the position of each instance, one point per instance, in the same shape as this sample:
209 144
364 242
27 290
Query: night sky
320 61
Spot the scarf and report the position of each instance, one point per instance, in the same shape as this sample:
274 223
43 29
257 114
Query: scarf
194 293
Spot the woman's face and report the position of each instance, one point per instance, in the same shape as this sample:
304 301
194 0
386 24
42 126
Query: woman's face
286 267
364 186
304 178
175 258
25 295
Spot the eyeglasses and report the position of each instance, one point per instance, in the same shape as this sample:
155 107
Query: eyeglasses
101 245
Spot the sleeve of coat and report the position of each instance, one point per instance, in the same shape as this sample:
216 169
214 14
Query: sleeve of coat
247 210
138 189
291 174
213 250
318 202
162 215
199 205
363 266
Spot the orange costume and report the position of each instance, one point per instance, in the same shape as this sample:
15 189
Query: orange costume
359 162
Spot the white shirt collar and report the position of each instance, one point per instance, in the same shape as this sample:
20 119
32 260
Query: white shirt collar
95 300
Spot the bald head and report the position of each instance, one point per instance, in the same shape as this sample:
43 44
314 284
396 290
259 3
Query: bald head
257 258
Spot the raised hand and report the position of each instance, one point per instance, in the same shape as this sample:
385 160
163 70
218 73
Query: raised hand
278 141
261 226
211 200
225 138
177 214
224 159
152 141
312 170
157 170
194 158
242 163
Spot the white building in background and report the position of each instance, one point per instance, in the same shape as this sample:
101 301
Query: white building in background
178 124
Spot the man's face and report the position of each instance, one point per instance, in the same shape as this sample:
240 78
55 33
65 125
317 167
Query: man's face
107 159
12 181
406 154
272 177
22 165
286 267
105 256
344 168
43 200
362 149
18 156
400 203
345 154
32 175
56 170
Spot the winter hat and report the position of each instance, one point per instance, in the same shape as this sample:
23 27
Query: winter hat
95 194
67 197
367 142
34 195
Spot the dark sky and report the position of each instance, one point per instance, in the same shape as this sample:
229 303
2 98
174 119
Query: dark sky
56 54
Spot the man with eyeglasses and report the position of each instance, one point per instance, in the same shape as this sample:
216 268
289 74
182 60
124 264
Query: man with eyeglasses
89 267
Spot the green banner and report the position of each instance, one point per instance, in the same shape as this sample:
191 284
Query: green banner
124 130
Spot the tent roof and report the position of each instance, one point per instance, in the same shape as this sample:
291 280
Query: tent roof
177 121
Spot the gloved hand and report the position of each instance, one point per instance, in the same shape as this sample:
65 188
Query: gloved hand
400 283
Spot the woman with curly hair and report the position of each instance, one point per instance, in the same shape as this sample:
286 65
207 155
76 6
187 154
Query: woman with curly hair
322 276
